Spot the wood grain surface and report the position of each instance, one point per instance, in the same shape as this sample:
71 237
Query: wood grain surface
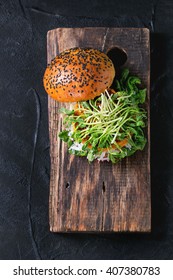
99 197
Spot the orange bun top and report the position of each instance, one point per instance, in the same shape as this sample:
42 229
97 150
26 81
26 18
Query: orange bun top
78 74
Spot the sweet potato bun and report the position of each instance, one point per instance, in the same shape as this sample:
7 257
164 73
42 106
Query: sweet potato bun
78 74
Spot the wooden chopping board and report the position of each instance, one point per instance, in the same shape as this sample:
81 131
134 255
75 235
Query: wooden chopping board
99 197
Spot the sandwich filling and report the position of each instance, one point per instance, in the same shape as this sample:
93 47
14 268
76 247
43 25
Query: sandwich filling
109 127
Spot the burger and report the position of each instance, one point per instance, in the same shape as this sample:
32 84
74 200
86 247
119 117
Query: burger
104 122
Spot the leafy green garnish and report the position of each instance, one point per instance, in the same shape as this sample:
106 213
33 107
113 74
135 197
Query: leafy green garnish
63 135
110 125
66 111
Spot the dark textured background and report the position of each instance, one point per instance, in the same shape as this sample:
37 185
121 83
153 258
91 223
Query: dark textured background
24 142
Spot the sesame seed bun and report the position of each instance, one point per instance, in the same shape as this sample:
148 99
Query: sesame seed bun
78 74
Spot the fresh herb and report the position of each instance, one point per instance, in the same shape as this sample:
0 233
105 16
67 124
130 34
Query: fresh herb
110 126
63 135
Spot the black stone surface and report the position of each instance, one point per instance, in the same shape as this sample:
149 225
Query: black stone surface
24 141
